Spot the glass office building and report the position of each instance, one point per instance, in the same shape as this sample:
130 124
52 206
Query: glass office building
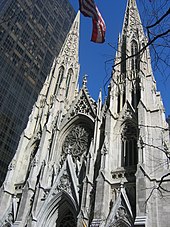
31 35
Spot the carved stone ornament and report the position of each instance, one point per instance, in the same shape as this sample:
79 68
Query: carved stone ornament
121 213
34 162
121 218
12 165
8 222
64 183
71 45
83 107
129 131
128 114
134 23
76 142
104 151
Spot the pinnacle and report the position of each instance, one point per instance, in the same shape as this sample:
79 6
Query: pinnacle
84 83
132 21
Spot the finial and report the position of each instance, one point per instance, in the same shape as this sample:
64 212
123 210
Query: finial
100 95
121 187
84 80
132 2
121 184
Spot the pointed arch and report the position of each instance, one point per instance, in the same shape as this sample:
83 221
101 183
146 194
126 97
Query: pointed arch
59 79
144 53
124 94
135 56
129 145
133 97
76 137
136 92
68 79
123 55
121 95
59 211
70 121
118 102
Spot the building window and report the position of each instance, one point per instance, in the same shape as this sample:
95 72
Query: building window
129 146
123 55
35 13
66 25
24 38
27 59
69 75
39 4
121 97
15 59
60 18
57 27
135 56
52 20
21 18
48 58
124 95
43 22
28 28
45 12
59 79
118 103
133 98
19 49
77 142
136 93
11 11
52 44
8 44
2 32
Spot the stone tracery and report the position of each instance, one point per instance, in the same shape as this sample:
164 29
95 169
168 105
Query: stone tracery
64 183
76 142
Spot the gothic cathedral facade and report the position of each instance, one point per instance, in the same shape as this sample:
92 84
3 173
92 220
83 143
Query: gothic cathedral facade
85 163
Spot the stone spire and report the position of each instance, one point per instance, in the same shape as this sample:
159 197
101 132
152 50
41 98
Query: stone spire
65 70
130 62
71 44
132 38
132 22
58 91
61 84
66 59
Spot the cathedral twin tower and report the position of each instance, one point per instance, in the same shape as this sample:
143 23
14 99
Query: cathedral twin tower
84 163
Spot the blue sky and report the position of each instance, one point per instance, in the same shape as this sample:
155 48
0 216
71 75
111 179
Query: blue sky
93 57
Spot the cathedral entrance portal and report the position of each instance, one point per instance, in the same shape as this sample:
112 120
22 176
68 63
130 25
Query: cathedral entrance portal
60 212
67 220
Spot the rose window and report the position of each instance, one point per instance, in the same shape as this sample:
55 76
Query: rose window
77 141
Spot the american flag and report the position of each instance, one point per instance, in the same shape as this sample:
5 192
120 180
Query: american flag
89 9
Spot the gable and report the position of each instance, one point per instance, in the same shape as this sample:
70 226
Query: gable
82 105
120 214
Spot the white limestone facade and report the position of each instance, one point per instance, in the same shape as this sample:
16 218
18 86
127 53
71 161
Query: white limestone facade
85 163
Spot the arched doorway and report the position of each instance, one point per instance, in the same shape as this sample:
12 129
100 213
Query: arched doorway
61 211
66 220
66 214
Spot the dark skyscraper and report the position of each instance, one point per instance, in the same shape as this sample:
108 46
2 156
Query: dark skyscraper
31 35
